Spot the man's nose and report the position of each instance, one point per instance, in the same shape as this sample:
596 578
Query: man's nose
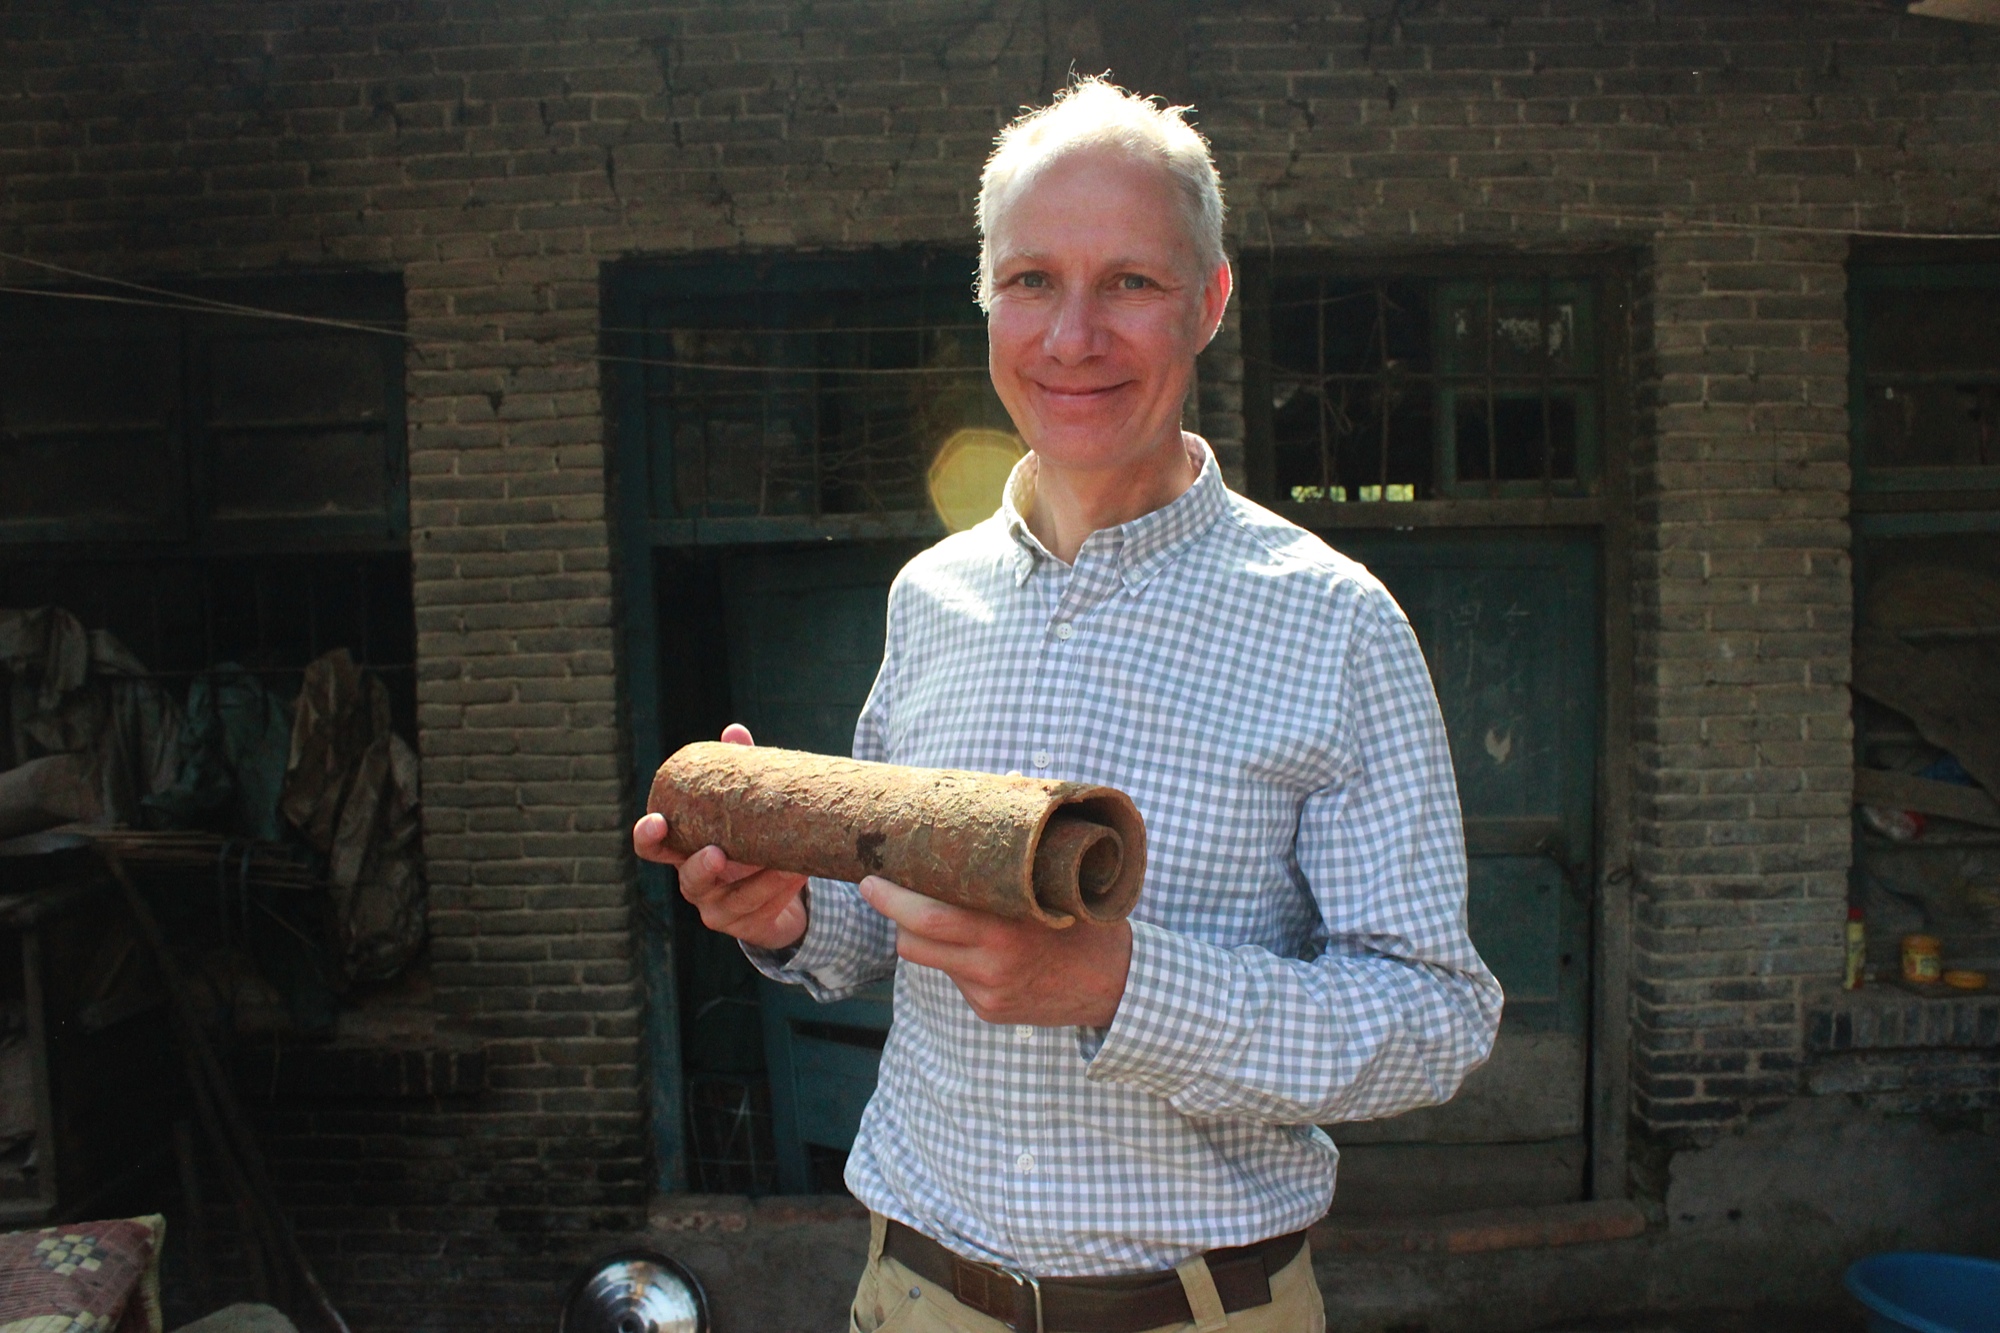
1074 332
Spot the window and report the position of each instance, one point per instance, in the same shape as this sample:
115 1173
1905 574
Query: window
137 423
1458 385
781 393
210 487
1924 399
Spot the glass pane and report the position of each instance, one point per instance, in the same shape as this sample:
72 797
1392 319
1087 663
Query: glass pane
1931 331
91 478
1516 437
80 384
1526 330
291 379
261 474
831 402
1933 425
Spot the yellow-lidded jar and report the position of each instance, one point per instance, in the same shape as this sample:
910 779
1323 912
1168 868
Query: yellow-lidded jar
1922 958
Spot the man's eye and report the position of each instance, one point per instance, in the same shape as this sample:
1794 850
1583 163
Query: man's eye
1134 282
1032 280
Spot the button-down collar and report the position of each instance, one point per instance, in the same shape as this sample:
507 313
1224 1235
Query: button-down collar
1141 547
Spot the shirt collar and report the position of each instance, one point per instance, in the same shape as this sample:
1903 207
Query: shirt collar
1141 547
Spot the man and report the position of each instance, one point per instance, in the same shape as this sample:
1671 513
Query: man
1113 1126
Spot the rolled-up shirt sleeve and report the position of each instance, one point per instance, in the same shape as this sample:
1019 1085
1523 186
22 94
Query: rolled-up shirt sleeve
1397 1007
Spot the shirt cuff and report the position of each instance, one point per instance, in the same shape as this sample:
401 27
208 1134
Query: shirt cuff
823 960
1179 993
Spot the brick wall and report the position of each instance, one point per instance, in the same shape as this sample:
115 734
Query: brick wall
1557 126
499 152
1744 745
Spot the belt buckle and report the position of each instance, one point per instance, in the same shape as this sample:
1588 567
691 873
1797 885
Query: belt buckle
977 1285
1033 1284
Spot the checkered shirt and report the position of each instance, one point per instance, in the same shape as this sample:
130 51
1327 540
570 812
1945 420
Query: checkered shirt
1299 951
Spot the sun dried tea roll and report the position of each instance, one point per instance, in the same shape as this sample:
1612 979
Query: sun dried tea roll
1016 847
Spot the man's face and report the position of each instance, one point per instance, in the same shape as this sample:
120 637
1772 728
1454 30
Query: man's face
1098 309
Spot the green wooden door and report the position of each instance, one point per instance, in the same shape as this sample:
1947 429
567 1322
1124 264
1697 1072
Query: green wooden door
1508 625
804 627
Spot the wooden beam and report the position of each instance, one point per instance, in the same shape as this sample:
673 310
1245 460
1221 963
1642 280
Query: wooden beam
1904 791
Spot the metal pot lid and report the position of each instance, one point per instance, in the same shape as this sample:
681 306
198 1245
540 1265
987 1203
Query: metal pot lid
635 1291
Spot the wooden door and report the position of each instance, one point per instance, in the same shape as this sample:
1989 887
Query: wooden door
1508 626
805 628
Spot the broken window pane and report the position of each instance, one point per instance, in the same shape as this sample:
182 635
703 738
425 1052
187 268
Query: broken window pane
1379 388
1524 330
1335 438
1351 399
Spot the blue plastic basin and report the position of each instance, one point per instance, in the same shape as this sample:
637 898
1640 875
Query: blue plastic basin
1927 1293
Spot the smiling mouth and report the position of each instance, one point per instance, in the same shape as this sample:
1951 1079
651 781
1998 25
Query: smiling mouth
1081 392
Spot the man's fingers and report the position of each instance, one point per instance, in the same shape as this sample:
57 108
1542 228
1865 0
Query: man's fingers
761 896
926 916
704 885
649 841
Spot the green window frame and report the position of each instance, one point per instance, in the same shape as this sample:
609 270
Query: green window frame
1467 391
1907 379
796 397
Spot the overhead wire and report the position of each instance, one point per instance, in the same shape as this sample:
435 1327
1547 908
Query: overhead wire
163 298
191 303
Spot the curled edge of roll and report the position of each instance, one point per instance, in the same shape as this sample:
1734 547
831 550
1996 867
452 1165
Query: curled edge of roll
1109 872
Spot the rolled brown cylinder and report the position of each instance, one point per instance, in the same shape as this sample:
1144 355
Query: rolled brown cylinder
1017 847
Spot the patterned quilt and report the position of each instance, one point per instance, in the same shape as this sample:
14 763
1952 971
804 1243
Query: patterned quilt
86 1277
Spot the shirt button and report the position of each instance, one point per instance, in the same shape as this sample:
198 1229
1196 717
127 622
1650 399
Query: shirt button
1065 630
1041 759
1024 1033
1025 1162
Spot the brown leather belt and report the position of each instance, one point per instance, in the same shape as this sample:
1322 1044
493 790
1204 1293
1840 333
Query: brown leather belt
1090 1304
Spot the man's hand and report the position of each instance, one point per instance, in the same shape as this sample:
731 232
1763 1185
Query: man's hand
765 908
1012 971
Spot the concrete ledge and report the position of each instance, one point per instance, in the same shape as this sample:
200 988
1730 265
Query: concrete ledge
1886 1018
1483 1231
681 1213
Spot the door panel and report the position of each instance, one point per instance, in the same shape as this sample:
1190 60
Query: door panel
1508 625
805 628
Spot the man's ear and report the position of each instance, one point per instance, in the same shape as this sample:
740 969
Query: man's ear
1215 300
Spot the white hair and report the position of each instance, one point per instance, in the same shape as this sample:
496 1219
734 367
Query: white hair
1094 113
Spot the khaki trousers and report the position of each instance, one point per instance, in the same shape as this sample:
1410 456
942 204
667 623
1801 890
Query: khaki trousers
892 1299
